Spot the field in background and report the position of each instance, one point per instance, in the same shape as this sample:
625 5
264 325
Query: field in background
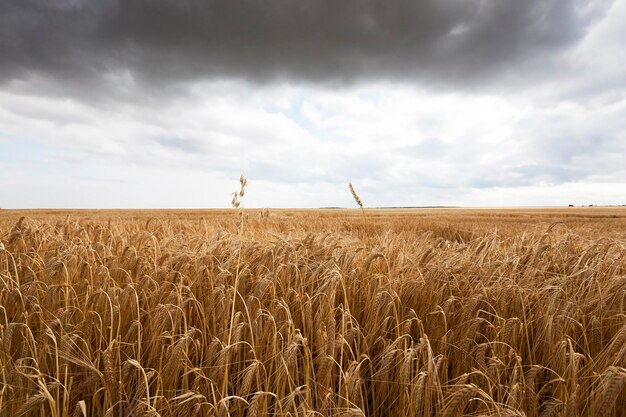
419 312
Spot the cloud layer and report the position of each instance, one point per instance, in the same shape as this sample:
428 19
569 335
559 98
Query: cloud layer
154 103
444 42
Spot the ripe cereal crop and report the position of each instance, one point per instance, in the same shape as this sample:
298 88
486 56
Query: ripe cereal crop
442 312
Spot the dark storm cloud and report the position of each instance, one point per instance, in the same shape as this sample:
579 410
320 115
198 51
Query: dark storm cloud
163 42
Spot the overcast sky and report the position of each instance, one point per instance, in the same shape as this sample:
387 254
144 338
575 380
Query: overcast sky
160 103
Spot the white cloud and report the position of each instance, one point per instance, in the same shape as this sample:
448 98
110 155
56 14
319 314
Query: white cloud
301 145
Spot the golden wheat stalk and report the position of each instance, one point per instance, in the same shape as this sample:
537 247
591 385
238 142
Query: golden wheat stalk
355 195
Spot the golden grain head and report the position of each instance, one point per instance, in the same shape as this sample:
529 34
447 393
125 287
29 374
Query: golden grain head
355 195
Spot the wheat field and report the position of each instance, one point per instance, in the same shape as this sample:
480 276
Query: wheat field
313 313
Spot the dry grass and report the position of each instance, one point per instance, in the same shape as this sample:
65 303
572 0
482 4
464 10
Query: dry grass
440 313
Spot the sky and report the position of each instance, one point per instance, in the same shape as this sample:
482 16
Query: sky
164 104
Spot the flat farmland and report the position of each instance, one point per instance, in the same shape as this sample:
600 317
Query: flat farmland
381 312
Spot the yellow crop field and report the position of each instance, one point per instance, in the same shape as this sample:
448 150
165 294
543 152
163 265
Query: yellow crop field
408 312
